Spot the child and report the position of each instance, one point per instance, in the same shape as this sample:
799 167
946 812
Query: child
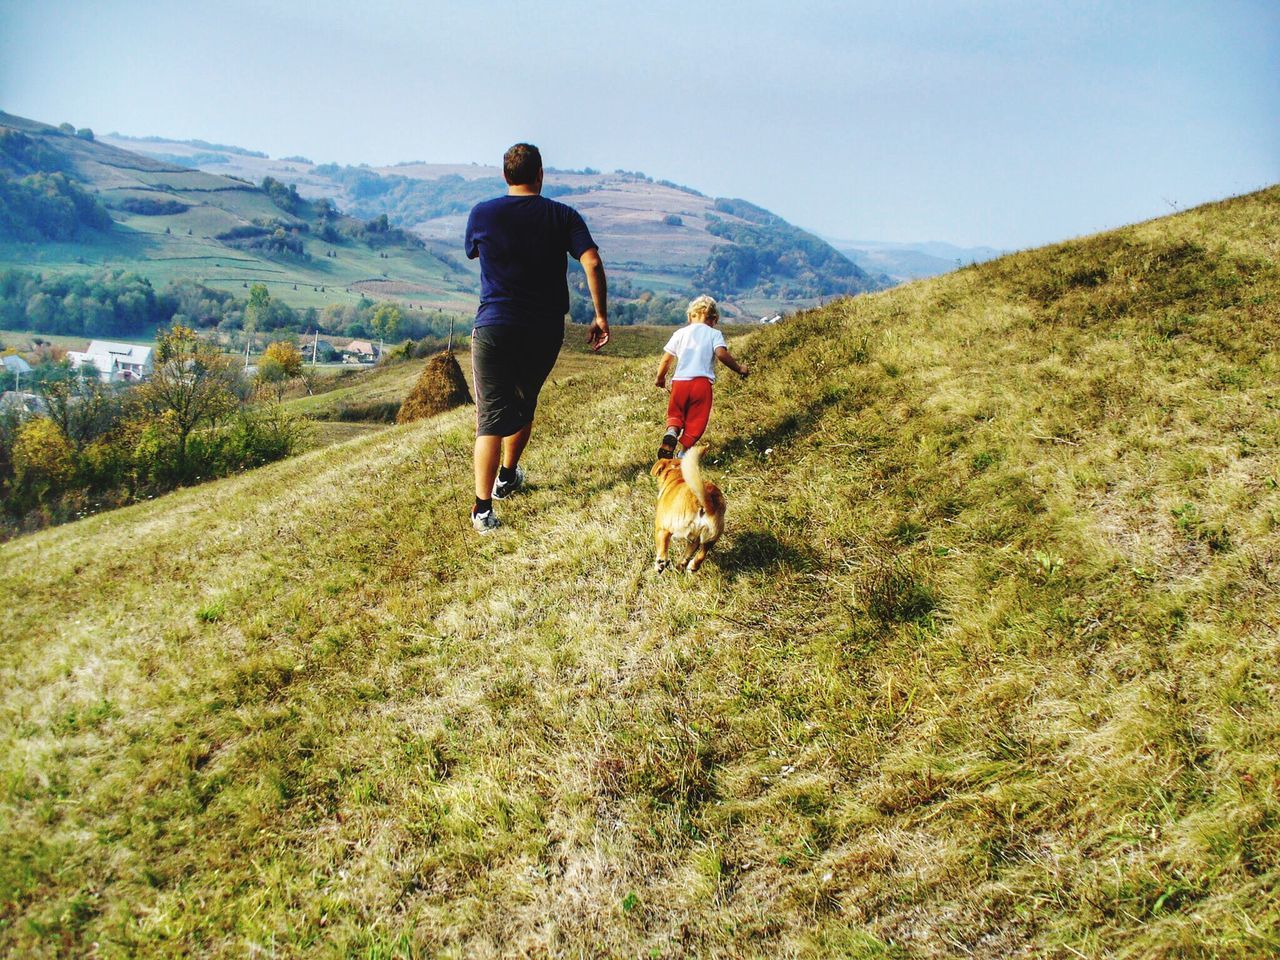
693 349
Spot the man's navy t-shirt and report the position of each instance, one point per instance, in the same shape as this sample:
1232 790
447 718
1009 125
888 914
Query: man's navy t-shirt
521 242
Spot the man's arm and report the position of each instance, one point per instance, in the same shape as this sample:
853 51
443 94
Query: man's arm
664 368
598 333
725 357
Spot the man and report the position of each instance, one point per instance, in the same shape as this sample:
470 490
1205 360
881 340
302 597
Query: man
521 239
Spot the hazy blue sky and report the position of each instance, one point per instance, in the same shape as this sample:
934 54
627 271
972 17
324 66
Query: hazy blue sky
1004 123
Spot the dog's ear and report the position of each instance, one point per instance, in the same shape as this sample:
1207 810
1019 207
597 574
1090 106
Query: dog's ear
656 468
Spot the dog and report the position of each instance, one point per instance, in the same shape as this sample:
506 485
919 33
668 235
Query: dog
688 509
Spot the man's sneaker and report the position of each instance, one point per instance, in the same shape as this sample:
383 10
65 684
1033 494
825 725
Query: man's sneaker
485 522
503 490
668 448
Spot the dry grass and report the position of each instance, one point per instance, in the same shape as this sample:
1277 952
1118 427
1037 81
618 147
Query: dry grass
985 665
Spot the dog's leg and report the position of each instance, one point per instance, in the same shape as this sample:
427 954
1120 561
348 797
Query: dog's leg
662 541
699 555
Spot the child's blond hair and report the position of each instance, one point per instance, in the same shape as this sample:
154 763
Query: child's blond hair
703 309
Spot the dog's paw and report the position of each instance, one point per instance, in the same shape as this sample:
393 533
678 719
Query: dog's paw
660 565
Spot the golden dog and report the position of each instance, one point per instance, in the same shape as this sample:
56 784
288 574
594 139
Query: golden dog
688 509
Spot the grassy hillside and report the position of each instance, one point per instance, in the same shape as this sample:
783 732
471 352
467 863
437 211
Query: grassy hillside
986 664
185 243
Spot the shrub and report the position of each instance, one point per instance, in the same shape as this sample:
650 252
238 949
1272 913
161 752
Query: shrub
42 459
259 436
103 465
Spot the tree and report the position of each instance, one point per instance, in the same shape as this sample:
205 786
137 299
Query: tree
193 385
254 312
386 320
281 363
83 407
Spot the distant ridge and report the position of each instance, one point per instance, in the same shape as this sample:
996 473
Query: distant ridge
656 235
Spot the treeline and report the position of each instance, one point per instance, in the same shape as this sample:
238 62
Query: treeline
111 303
48 206
770 257
407 199
37 199
628 305
118 303
22 154
96 445
272 239
325 221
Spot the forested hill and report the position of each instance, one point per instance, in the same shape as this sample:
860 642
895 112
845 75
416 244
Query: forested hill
656 235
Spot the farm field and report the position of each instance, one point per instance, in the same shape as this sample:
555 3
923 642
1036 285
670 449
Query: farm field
985 665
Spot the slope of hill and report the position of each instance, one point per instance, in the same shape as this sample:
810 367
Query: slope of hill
986 663
175 222
656 235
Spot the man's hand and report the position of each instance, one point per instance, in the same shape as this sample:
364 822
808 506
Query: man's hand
598 333
661 382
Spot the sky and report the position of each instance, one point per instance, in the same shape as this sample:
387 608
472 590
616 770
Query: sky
1006 123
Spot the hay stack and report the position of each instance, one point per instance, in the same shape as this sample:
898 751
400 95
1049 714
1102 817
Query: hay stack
441 387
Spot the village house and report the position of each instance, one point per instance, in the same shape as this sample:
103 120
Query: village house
115 362
359 351
316 348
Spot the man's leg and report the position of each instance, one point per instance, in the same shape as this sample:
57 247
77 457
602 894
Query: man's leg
487 451
513 446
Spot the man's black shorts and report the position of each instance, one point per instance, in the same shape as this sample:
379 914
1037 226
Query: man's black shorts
509 365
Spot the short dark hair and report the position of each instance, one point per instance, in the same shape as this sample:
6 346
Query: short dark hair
522 164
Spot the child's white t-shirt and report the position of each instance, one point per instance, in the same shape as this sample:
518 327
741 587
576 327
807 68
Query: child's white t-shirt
694 347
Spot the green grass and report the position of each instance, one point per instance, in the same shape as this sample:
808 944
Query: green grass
985 664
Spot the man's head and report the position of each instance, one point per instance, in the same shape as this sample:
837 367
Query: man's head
703 310
522 165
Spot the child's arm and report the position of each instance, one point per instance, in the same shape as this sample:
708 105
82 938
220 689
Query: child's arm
664 368
725 357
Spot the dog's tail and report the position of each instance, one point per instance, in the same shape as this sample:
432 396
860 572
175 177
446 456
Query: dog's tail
691 470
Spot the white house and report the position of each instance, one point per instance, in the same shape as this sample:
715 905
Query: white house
115 362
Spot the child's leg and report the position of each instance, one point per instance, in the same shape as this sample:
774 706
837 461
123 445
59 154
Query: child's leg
676 404
675 418
698 411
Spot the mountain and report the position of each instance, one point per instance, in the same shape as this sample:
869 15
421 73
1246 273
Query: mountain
657 236
168 221
903 262
985 663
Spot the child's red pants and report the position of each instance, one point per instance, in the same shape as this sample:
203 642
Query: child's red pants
690 408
